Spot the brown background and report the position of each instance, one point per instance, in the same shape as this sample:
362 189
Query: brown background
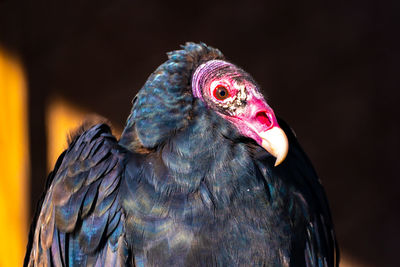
330 70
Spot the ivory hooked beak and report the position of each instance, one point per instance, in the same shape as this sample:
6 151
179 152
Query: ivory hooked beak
276 143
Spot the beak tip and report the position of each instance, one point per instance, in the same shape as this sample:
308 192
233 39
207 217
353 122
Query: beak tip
276 143
279 160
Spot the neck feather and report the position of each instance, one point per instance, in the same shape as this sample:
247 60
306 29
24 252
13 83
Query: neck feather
164 104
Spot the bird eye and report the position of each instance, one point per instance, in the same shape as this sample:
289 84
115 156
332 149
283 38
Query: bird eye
221 93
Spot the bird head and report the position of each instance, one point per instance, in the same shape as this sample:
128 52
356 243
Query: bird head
233 94
164 105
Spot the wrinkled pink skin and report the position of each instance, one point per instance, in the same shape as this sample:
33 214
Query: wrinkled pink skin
249 124
251 118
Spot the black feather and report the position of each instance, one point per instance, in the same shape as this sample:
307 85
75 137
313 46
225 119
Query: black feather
82 193
181 188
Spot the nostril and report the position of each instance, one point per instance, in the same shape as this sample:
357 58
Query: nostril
263 118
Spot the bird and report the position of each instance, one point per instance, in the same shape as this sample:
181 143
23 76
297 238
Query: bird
203 174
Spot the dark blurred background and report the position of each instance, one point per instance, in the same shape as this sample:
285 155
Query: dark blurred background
329 69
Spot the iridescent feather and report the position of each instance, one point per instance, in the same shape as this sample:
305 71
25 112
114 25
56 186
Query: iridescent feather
182 187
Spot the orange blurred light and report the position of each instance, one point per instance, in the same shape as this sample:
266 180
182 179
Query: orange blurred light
13 161
347 260
62 118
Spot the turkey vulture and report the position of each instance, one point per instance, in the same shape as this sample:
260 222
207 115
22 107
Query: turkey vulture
204 174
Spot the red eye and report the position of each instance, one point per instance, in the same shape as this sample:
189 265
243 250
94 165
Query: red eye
221 92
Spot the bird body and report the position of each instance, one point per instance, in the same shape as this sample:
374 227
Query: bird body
191 182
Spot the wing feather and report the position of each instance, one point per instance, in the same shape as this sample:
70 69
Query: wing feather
321 248
307 204
81 220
